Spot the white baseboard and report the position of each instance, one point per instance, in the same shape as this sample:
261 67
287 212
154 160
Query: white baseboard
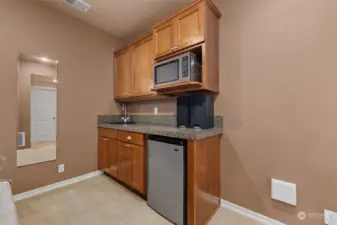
51 187
249 213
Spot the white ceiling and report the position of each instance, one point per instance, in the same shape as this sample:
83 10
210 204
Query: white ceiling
122 18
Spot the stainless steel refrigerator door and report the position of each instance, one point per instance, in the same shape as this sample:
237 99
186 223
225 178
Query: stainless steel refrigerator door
166 180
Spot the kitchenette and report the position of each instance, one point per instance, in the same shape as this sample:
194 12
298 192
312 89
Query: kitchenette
172 161
176 169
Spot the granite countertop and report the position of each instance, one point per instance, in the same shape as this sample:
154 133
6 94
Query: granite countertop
183 133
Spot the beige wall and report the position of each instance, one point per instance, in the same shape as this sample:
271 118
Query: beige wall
85 88
27 72
278 97
278 79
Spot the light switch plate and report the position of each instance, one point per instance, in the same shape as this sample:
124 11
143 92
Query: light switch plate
60 168
283 191
330 217
155 110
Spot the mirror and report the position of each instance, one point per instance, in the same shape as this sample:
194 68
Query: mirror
37 117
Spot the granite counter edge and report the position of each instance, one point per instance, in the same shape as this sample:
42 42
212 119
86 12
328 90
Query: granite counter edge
174 134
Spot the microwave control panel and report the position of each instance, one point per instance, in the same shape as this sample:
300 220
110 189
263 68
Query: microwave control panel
185 66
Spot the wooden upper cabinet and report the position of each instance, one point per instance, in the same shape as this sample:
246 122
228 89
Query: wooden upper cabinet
143 55
164 38
194 26
190 26
185 28
195 29
123 75
134 71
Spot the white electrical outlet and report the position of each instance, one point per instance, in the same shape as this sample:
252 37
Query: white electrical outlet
283 191
155 110
330 218
60 168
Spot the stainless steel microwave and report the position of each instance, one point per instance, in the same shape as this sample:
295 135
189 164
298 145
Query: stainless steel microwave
182 68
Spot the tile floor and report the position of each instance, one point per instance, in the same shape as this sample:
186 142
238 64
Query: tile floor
101 201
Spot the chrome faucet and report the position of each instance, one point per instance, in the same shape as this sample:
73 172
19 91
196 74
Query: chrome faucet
125 118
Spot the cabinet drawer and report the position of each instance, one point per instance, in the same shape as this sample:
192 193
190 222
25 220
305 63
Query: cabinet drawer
131 137
108 133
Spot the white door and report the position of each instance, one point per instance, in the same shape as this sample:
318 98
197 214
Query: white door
43 114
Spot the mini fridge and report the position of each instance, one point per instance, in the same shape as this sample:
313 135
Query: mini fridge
166 180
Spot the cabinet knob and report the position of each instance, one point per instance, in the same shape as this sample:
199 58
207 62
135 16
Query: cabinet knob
105 139
128 138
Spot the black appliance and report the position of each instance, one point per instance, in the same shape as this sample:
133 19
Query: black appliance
195 110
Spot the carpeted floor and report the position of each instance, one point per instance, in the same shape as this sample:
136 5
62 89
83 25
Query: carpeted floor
101 201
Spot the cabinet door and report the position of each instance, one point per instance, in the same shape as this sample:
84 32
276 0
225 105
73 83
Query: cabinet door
138 168
123 77
103 163
124 163
164 38
143 66
189 26
113 157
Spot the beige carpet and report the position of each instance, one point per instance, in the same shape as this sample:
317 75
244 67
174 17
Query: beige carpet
101 201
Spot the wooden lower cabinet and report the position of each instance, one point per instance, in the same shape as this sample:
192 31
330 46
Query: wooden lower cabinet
203 179
113 157
103 163
108 155
122 160
124 163
131 165
138 168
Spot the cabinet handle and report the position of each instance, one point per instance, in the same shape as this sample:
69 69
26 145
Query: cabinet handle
128 138
127 145
105 139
